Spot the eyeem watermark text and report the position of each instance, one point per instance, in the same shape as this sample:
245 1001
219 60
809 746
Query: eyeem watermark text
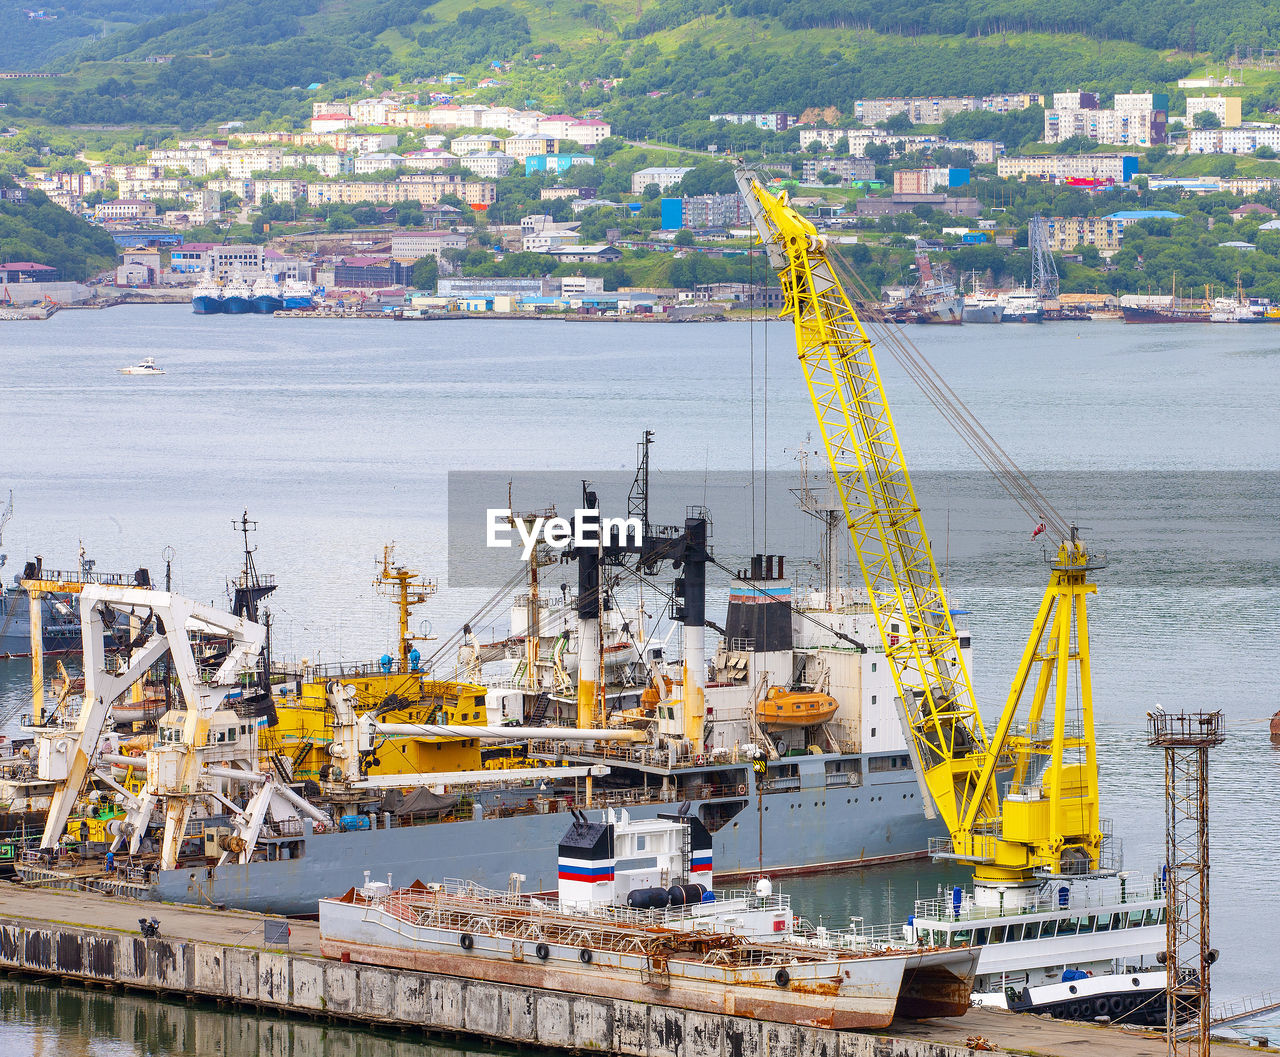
585 529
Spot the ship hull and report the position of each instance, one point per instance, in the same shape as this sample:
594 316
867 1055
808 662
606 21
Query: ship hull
61 634
264 304
295 303
237 306
1134 314
942 310
983 313
207 306
807 830
1020 315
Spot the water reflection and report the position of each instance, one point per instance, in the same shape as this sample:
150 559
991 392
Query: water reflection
48 1021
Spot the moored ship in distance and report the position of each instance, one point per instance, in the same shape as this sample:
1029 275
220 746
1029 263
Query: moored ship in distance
206 298
267 295
931 300
237 296
1021 306
297 295
981 306
636 917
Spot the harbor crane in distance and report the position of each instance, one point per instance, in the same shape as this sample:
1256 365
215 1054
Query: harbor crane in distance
1047 822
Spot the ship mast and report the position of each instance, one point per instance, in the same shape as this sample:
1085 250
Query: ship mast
408 589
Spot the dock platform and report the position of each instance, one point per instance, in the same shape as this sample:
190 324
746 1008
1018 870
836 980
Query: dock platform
222 955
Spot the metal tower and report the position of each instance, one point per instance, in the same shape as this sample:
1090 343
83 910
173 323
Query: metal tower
1186 740
1044 272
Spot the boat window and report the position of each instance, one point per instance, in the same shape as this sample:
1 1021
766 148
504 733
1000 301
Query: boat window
640 843
980 937
1151 917
231 734
1161 915
873 666
1066 926
1032 931
1104 923
1117 921
997 933
1087 923
961 936
1135 918
1014 933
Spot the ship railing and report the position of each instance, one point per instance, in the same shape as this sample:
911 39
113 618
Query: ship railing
1107 895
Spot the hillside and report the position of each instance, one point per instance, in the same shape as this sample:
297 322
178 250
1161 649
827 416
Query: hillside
678 59
38 230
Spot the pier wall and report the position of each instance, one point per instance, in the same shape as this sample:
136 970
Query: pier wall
297 983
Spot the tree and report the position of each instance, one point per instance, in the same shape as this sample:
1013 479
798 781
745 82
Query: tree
828 178
425 273
1264 152
684 237
900 122
1206 119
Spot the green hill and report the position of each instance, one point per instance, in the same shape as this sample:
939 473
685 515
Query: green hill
37 230
677 60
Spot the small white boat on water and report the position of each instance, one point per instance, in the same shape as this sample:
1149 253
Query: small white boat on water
147 366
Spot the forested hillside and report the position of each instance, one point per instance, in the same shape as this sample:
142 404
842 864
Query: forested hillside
41 231
677 59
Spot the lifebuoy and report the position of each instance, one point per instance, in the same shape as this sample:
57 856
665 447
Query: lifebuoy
542 951
466 942
584 956
782 977
742 788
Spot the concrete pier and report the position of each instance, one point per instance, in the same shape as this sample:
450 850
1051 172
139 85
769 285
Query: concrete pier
221 955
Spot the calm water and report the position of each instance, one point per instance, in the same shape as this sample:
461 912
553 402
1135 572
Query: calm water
337 437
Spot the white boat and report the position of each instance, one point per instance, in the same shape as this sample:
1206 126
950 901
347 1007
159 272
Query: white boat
630 922
1238 310
1021 306
1076 947
981 306
147 366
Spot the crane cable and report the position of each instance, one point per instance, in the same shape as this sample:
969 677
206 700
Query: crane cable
954 411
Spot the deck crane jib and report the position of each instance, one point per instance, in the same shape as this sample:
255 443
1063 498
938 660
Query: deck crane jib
1047 820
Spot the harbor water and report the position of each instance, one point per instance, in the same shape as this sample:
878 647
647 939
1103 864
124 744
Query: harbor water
337 437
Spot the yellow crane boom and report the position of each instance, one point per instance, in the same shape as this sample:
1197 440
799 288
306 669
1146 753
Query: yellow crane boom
1054 826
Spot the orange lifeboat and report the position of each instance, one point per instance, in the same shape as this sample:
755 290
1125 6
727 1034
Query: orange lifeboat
784 708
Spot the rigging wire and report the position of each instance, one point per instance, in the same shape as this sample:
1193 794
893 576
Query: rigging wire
952 408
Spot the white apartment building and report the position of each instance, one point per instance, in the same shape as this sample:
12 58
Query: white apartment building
528 144
377 162
491 164
373 111
325 164
588 133
418 244
425 160
474 143
1232 140
663 175
1115 167
1225 108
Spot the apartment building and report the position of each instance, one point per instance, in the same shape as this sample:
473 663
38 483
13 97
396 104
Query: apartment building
663 175
1119 168
1226 108
848 169
1068 233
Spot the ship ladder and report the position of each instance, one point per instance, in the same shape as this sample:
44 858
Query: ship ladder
540 705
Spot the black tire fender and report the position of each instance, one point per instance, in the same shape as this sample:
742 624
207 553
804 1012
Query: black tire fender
542 951
782 978
584 956
466 941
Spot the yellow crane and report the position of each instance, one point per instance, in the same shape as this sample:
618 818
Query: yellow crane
1047 821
